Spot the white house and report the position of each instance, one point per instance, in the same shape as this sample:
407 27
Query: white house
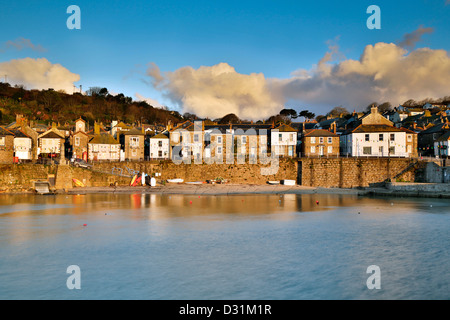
283 141
375 141
51 143
159 147
23 145
103 147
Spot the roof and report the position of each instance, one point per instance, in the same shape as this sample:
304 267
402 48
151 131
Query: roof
122 125
285 128
160 136
319 133
444 137
20 134
53 133
103 138
5 132
369 128
134 132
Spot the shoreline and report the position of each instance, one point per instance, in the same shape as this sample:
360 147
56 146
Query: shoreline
239 189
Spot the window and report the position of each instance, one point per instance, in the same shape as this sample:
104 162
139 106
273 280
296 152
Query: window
134 141
381 137
330 149
330 140
313 149
291 137
367 150
409 138
321 140
392 150
313 139
367 137
196 138
280 137
159 154
380 150
219 139
244 140
77 141
2 141
160 144
219 150
392 136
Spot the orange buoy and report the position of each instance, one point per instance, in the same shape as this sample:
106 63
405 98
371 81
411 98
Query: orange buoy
84 225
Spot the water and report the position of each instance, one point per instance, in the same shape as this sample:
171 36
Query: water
223 247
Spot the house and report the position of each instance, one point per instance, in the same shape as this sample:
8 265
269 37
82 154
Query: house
6 146
378 140
51 144
79 141
134 144
186 141
23 146
319 142
159 147
283 141
428 137
103 147
216 138
250 140
441 145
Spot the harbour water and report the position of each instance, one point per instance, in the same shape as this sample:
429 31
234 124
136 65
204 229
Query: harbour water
259 247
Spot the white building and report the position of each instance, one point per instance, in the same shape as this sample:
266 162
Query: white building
375 141
103 147
159 147
23 146
283 141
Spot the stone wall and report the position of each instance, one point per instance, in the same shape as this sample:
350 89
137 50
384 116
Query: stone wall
355 172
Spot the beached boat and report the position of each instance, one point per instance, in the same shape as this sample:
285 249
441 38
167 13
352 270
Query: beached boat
175 180
78 183
288 182
194 182
273 182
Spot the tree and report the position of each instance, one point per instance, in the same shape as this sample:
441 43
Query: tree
229 118
291 113
338 111
306 114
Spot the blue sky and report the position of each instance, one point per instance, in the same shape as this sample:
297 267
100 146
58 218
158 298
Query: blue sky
118 39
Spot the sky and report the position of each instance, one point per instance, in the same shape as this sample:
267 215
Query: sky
252 58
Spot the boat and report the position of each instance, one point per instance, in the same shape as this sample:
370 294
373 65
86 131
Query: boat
288 182
133 180
175 180
194 182
137 181
273 182
78 183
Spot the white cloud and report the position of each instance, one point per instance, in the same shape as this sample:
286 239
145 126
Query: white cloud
39 74
216 91
150 101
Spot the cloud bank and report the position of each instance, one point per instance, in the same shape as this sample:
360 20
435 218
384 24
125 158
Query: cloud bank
384 72
38 74
214 91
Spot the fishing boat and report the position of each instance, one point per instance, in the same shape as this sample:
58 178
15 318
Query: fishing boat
175 180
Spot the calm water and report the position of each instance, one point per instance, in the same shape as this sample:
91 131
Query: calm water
223 247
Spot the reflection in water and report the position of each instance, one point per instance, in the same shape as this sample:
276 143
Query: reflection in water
153 246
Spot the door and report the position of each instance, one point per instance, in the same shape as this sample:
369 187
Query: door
321 150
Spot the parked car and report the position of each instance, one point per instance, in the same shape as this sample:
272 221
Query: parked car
81 163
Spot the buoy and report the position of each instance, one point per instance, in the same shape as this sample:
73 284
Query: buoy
317 202
84 225
199 197
190 202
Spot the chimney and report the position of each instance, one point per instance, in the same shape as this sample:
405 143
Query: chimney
373 109
96 128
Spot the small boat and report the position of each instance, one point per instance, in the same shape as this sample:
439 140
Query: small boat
288 182
175 180
133 180
137 181
273 182
194 182
78 183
